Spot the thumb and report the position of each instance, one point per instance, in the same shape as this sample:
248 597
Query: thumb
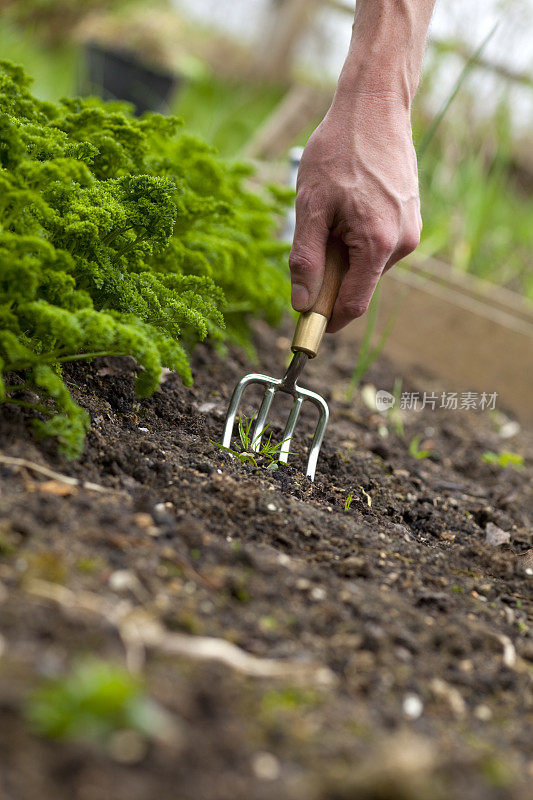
307 258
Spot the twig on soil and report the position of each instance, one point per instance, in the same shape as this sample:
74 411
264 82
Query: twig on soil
139 631
50 473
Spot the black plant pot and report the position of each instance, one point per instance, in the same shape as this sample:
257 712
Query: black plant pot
119 75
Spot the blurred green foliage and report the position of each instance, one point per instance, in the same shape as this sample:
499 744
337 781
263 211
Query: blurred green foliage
93 701
475 214
54 70
225 113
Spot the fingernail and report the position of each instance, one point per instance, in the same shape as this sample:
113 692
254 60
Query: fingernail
299 296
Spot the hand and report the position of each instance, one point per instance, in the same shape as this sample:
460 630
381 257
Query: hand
357 180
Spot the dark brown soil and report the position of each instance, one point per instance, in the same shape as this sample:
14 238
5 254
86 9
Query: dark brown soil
425 629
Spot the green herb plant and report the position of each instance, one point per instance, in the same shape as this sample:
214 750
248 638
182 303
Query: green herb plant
504 459
119 236
267 451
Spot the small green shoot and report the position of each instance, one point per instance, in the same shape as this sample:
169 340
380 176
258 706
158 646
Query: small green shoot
415 451
394 414
91 703
348 501
247 454
504 459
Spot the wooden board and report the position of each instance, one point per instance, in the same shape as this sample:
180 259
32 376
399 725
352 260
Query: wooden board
474 336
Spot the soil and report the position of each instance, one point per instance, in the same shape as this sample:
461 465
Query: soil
399 641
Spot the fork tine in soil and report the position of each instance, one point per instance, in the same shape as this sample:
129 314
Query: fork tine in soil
310 329
288 433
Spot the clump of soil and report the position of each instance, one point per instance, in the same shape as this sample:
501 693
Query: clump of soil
405 635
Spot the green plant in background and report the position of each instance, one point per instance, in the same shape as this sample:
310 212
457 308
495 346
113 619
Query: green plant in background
93 701
504 459
119 236
414 448
55 19
368 354
394 413
225 113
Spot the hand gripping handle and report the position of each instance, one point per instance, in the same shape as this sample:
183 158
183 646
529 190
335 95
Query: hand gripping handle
312 324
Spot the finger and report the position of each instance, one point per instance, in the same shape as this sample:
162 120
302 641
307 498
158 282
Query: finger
369 248
307 256
404 249
357 287
407 243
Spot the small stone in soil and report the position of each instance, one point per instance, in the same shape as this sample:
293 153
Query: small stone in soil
412 706
495 536
266 766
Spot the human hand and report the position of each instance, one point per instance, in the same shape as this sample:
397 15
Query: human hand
357 181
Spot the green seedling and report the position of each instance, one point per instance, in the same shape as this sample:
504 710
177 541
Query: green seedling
348 501
394 414
504 459
246 454
95 700
415 451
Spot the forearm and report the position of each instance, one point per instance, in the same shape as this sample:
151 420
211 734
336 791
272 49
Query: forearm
386 49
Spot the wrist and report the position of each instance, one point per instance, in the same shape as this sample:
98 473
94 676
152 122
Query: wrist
386 50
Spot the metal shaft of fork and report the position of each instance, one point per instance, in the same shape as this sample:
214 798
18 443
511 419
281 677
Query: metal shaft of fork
288 384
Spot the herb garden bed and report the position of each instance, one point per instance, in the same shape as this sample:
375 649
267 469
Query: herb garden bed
391 645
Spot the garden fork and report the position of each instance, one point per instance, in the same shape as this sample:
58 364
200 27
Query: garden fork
308 335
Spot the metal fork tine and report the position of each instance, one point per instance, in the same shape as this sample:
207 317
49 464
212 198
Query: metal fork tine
289 430
235 402
259 426
300 396
320 430
232 412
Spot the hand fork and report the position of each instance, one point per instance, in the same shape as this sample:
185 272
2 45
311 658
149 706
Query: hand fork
308 335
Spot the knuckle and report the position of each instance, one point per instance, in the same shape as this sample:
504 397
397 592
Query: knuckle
301 263
353 309
411 240
307 202
384 238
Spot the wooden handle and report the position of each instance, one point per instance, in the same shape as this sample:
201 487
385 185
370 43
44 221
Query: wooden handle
334 272
312 324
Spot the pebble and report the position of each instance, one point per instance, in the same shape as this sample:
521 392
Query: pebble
143 430
483 713
412 706
271 507
266 766
496 536
318 593
123 581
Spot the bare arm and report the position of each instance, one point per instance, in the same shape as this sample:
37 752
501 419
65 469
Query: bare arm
358 177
